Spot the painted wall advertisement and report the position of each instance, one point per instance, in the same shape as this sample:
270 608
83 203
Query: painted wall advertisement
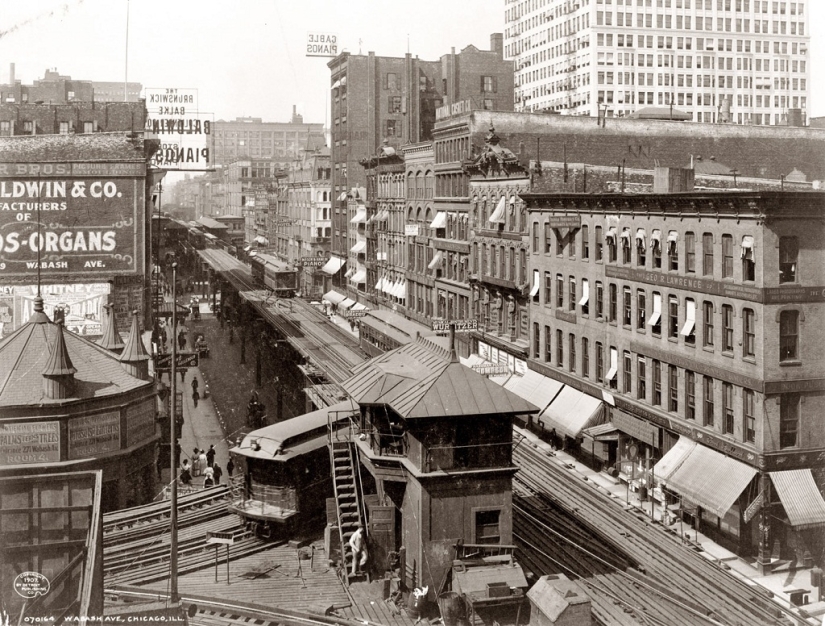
29 443
93 435
140 422
80 304
68 222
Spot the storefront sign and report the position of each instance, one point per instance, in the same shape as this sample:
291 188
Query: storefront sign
140 422
79 170
491 370
313 261
92 435
321 44
754 507
411 230
29 443
794 386
87 225
564 221
460 326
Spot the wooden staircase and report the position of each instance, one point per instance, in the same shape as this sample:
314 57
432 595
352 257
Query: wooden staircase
347 499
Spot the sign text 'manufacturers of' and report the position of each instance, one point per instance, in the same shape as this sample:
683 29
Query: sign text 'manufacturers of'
88 217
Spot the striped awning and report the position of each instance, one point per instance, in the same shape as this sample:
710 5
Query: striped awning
800 498
571 412
332 266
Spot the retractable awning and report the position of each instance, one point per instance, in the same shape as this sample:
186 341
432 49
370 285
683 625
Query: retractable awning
571 412
440 220
711 479
585 292
534 387
379 286
536 284
673 458
360 215
800 498
358 307
655 238
747 247
690 318
346 303
332 266
436 262
499 215
360 276
640 237
334 297
342 197
360 246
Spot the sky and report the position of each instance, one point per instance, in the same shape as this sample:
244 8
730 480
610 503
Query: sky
247 57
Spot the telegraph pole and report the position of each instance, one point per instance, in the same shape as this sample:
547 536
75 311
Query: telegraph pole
173 493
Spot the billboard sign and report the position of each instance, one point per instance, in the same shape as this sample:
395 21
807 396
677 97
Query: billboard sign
92 435
88 225
184 132
37 442
81 305
322 44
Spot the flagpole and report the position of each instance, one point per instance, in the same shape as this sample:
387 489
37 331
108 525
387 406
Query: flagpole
126 62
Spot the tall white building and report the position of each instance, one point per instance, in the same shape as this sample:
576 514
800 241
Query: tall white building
742 61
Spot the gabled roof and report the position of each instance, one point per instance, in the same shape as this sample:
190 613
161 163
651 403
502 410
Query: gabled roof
422 380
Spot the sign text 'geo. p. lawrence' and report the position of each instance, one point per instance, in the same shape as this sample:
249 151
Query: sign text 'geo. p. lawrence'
69 225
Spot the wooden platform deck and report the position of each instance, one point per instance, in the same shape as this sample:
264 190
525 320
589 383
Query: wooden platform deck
368 606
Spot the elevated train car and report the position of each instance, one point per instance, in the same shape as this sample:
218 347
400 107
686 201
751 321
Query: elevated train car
283 474
273 274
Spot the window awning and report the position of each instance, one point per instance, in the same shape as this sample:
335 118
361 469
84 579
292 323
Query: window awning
640 237
383 215
332 266
400 291
342 197
711 479
657 310
499 215
379 286
672 238
690 318
747 247
360 215
614 365
610 235
800 498
571 412
440 220
360 276
673 459
358 307
349 272
535 388
346 303
626 237
336 84
656 238
536 285
387 286
359 247
585 292
436 262
334 297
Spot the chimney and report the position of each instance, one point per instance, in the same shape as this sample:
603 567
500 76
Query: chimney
497 43
11 74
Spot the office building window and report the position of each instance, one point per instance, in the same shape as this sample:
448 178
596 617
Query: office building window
571 304
548 352
641 378
788 420
690 253
641 310
727 408
789 335
708 418
707 254
749 415
673 251
585 242
707 322
655 321
788 257
641 249
626 246
656 366
548 238
536 340
613 296
535 236
548 282
599 242
627 307
689 329
656 245
393 128
571 349
599 362
585 357
560 242
748 333
613 368
559 348
599 300
673 388
727 256
487 527
727 328
673 317
559 290
690 395
585 299
627 380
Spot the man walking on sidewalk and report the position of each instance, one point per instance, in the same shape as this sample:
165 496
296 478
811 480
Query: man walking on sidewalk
210 456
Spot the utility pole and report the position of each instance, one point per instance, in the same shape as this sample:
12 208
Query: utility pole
173 466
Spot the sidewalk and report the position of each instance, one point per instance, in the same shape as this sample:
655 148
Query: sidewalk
780 583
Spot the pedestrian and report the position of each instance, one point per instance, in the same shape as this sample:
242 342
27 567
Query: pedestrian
217 472
163 338
358 543
183 375
185 476
219 315
195 397
194 383
210 456
181 338
230 467
202 461
196 466
208 477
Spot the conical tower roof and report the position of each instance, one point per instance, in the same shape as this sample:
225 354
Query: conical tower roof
59 363
111 338
134 350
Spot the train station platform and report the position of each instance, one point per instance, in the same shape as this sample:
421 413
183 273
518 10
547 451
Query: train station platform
783 582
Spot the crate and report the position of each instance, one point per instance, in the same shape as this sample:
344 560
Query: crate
498 590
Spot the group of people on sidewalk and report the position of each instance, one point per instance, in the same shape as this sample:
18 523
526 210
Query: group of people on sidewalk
203 464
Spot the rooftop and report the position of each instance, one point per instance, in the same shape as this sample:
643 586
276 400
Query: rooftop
66 148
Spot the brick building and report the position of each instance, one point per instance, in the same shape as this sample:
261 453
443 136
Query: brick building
55 88
74 118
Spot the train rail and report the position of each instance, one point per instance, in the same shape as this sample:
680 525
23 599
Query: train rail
548 496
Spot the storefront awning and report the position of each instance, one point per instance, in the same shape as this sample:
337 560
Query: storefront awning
360 215
440 220
358 307
673 458
346 303
334 297
639 429
360 276
800 498
711 479
263 241
436 262
535 388
360 246
332 266
499 215
379 286
571 412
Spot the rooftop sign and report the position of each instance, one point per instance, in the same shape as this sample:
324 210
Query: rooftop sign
321 44
184 132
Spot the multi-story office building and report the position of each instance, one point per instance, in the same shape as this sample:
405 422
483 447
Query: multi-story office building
737 61
241 180
375 98
252 138
694 315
